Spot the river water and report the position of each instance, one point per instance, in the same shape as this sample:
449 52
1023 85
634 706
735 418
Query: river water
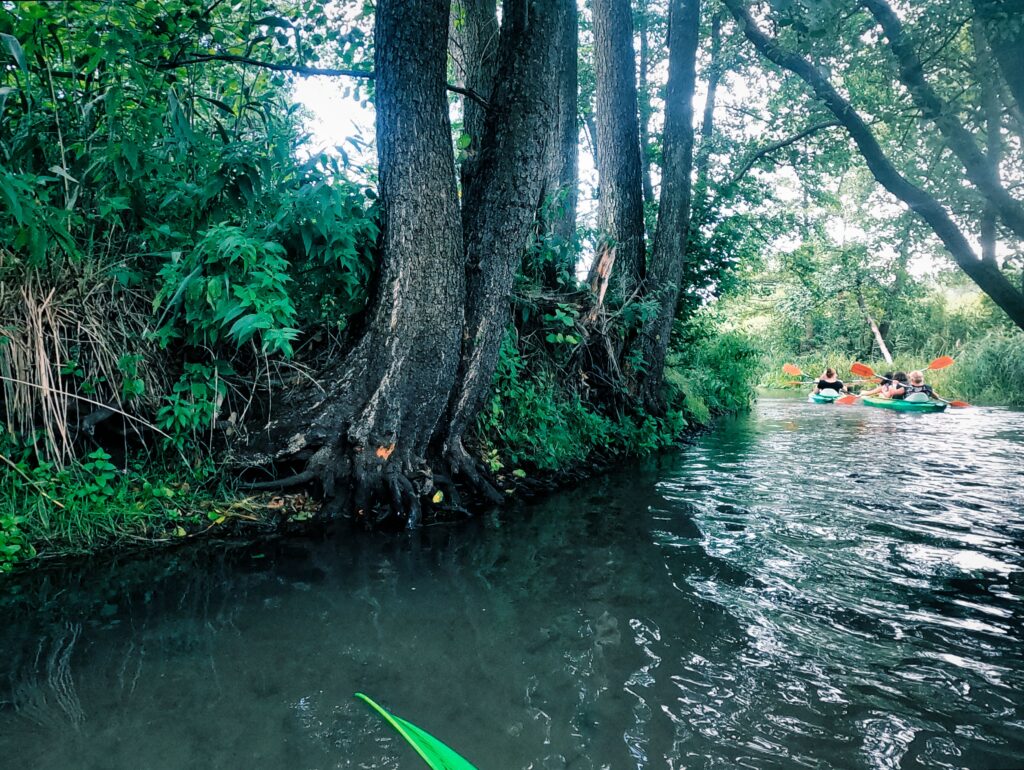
804 586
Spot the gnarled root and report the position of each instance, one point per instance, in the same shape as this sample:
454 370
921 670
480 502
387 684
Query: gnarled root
463 465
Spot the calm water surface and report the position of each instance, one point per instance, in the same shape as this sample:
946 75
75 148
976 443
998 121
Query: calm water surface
806 586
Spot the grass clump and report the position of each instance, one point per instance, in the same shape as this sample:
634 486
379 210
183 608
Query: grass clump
991 370
91 504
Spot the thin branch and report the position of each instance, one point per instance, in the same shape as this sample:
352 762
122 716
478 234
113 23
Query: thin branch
768 149
296 69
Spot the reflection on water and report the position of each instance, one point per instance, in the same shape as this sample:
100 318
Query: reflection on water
808 586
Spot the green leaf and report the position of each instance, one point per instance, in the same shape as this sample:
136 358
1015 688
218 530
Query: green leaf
14 48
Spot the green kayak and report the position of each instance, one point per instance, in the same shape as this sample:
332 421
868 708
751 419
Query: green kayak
824 397
905 406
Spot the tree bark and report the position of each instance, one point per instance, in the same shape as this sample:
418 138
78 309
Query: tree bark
373 420
980 170
1001 19
500 220
875 331
562 186
621 207
644 101
668 261
990 109
707 127
474 47
986 275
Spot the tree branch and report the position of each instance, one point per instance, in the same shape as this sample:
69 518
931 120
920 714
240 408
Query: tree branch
987 276
768 149
982 173
296 69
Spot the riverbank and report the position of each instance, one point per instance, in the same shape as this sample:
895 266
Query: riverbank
535 435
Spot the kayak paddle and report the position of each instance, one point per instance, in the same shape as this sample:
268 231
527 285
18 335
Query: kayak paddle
794 370
863 370
954 404
940 363
437 755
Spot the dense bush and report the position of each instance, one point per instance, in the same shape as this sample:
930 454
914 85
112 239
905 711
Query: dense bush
538 418
157 222
991 370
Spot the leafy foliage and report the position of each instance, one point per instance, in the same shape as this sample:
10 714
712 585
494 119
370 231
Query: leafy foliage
143 170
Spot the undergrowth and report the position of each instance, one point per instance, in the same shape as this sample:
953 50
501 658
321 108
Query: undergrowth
990 370
538 420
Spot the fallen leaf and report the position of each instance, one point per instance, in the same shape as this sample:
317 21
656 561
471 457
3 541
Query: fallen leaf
384 452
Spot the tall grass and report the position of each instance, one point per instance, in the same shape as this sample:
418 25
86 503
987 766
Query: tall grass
991 370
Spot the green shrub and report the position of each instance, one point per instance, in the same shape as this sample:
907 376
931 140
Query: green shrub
92 503
712 372
539 418
991 370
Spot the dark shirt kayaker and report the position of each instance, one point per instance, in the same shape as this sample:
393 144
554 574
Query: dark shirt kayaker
898 386
836 385
917 385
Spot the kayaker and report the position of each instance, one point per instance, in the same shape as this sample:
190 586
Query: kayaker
917 385
829 381
898 387
883 387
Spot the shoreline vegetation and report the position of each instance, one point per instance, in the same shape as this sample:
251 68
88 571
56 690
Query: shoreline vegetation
536 439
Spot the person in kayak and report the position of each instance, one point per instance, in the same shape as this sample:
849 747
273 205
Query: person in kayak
898 387
917 385
829 381
882 388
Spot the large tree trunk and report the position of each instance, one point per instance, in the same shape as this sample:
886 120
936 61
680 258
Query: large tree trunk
474 47
374 418
668 260
561 189
644 100
500 220
621 205
985 274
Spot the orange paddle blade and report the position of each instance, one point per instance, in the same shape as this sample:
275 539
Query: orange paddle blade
941 362
792 369
862 370
847 400
958 404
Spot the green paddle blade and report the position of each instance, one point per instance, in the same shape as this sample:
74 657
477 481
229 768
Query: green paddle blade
434 753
